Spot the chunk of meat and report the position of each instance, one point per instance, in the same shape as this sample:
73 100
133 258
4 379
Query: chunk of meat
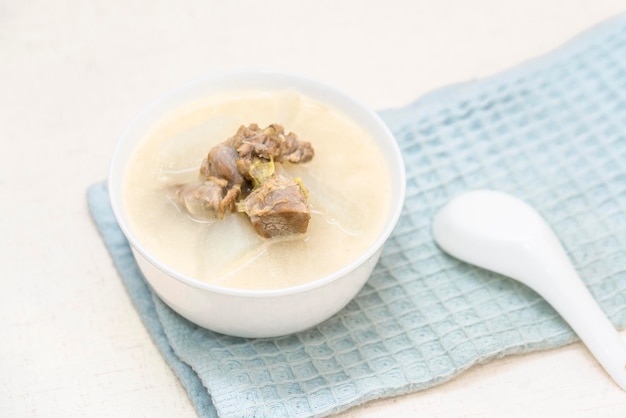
278 207
206 199
221 162
233 158
271 143
243 165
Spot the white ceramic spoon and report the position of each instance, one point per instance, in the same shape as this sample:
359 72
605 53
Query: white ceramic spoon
499 232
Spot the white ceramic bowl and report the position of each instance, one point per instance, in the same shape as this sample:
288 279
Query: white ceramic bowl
256 313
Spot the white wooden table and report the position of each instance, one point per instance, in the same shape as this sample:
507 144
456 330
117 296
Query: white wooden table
72 75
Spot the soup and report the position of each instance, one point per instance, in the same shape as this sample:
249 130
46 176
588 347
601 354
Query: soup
348 186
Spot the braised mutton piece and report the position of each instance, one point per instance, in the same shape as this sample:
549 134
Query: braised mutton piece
202 199
278 207
271 142
239 172
221 162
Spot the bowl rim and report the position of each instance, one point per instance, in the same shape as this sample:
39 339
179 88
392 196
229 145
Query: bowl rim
272 76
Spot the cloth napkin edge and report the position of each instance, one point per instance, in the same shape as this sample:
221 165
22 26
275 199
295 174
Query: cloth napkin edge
196 391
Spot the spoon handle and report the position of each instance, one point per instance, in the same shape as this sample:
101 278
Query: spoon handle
568 295
543 265
501 233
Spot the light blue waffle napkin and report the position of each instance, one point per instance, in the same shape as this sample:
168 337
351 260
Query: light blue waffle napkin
552 132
